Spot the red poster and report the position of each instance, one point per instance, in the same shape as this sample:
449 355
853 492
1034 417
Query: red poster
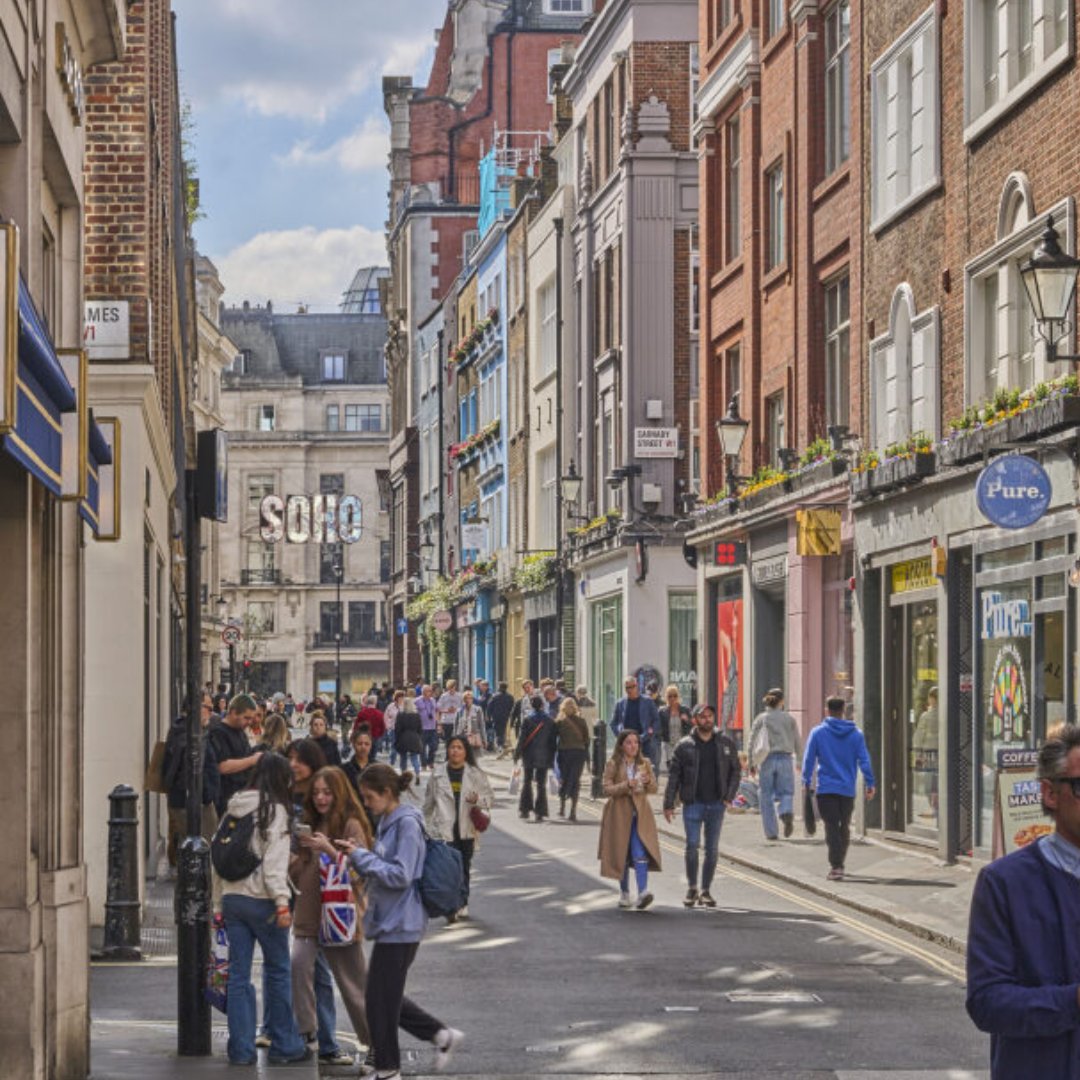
729 648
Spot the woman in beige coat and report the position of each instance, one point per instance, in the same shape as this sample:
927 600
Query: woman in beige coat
628 827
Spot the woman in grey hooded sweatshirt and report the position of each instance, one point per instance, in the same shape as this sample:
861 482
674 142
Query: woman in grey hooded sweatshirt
774 748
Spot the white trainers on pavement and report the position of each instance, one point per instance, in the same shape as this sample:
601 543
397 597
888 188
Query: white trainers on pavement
446 1042
625 901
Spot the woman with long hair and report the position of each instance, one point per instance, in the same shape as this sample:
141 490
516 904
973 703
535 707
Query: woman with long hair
317 732
362 746
256 909
572 754
627 827
276 735
675 723
469 722
457 786
331 812
395 921
408 734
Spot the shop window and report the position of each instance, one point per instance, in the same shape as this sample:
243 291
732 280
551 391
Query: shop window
607 644
683 645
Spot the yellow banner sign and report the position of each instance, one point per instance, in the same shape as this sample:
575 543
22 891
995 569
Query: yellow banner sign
819 532
916 574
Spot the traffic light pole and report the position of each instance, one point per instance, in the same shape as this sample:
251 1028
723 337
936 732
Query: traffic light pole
232 670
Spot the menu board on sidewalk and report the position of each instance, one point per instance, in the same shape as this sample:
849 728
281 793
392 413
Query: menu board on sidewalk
1019 818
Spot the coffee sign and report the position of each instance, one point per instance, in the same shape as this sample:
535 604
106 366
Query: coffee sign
315 519
1013 491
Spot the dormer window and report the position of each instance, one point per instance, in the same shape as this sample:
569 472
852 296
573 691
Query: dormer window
333 367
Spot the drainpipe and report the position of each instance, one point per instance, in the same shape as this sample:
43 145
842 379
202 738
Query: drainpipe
560 583
442 454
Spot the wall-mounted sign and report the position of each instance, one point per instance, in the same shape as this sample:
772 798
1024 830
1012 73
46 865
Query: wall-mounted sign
765 571
656 442
1013 491
474 538
315 519
442 621
107 329
912 575
71 76
1003 618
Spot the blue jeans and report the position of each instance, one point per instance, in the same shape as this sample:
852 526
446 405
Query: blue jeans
640 859
325 1009
247 921
407 758
777 779
431 745
711 814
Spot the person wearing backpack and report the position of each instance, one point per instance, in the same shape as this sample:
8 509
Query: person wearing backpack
395 921
255 907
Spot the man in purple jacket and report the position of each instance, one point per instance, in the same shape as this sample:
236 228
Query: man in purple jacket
1023 961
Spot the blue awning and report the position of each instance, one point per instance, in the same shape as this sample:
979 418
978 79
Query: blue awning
42 393
98 457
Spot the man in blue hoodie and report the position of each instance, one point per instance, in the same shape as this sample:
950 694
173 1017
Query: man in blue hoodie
837 749
1023 959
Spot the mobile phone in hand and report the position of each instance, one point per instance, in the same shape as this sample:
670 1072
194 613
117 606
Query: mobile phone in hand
302 829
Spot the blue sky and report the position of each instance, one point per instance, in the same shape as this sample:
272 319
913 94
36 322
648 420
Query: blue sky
290 135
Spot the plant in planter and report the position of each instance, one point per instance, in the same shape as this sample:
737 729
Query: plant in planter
536 572
767 476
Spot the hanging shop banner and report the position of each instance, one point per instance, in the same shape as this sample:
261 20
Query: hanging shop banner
1019 818
75 427
729 663
315 519
1013 491
913 575
9 322
43 395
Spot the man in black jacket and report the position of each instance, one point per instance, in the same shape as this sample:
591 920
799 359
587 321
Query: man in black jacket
704 776
498 712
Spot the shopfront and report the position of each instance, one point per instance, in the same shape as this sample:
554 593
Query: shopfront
606 651
729 623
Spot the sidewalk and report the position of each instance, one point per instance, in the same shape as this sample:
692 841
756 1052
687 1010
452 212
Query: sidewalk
906 886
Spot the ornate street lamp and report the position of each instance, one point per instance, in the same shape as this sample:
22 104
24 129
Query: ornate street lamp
570 484
1049 277
731 429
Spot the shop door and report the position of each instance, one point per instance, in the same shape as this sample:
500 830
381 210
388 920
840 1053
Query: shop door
770 640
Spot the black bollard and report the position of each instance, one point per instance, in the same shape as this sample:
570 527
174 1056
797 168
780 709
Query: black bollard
599 758
123 909
192 908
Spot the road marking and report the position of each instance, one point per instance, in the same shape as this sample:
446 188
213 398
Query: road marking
925 956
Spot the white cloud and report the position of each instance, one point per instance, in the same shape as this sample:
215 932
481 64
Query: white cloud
295 266
364 150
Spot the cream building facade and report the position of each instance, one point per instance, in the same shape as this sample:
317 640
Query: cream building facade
306 407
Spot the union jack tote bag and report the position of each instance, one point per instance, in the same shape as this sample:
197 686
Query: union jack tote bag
339 922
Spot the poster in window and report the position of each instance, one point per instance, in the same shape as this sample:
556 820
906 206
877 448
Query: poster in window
729 621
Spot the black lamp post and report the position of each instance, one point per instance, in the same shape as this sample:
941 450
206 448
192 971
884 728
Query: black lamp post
731 429
339 569
1049 277
568 491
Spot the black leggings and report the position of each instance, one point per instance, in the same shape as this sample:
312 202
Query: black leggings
835 812
387 1007
571 764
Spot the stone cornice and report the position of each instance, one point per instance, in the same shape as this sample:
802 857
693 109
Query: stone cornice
740 66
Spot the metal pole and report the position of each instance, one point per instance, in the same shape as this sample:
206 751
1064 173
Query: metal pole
599 759
232 670
337 664
559 601
192 898
123 934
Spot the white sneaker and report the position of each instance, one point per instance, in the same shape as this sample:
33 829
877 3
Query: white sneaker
625 901
463 912
446 1042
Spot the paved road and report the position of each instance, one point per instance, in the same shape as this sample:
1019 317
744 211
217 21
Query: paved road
550 978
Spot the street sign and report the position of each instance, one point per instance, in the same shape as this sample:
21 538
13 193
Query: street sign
231 635
656 442
442 621
1013 491
402 627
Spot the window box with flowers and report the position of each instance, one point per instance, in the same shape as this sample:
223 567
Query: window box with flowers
463 452
536 572
600 528
1012 416
767 484
899 465
720 504
818 463
480 338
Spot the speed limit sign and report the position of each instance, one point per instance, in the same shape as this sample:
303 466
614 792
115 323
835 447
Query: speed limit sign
231 635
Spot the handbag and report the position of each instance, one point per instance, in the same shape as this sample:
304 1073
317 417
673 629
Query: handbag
475 740
216 990
553 783
339 922
154 780
480 818
514 787
759 747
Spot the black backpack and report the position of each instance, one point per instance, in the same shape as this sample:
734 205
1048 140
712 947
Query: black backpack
231 851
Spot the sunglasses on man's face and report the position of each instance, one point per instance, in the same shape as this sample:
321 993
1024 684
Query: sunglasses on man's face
1073 782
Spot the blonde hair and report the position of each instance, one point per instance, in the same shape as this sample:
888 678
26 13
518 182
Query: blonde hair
568 708
672 688
276 733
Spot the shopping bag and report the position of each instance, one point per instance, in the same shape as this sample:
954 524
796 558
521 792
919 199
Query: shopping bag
809 811
514 787
339 920
216 990
154 780
553 783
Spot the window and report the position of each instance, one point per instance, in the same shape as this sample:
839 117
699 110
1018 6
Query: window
260 616
1011 46
241 364
264 418
554 59
362 620
721 12
333 418
547 505
48 278
904 118
733 238
260 563
1002 351
329 621
837 85
904 373
774 194
259 485
333 367
547 345
774 425
363 418
695 287
384 561
331 556
732 372
774 17
837 336
568 7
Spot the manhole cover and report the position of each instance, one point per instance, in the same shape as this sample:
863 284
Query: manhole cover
772 997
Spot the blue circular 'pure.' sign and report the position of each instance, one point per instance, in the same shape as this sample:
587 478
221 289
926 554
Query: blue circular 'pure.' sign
1013 491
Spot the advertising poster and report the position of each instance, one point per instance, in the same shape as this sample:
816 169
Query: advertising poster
1020 818
729 667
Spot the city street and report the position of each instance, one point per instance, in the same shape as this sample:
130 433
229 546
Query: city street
550 978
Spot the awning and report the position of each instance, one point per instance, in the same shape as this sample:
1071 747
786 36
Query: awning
100 475
42 394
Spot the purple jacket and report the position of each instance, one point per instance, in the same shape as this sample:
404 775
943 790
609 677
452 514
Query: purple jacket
1023 966
425 706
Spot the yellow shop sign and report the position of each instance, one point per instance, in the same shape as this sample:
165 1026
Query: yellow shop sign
916 574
